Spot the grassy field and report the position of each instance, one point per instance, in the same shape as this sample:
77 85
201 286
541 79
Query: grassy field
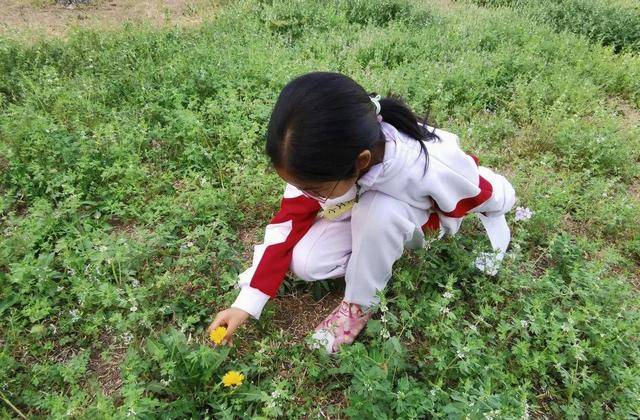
614 23
134 185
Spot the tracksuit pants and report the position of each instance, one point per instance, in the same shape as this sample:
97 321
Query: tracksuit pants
364 244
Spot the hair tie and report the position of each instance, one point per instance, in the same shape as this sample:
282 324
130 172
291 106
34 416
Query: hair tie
376 102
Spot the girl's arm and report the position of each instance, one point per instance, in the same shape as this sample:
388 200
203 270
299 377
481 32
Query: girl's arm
272 258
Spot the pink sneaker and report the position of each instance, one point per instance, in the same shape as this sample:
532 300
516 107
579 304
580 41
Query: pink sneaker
341 326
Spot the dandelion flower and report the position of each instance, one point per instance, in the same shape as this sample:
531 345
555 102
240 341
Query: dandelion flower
218 334
232 378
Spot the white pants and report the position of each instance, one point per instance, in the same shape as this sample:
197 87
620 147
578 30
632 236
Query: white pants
363 245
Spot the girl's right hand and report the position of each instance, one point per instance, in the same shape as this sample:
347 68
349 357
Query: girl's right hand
231 318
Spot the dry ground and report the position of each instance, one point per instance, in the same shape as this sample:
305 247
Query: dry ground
33 19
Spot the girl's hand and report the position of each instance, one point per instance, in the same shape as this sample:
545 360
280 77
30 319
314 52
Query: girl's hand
231 318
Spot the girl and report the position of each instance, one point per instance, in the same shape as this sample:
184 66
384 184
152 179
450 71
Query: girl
364 180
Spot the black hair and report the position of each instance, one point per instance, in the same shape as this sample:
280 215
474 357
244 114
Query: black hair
322 121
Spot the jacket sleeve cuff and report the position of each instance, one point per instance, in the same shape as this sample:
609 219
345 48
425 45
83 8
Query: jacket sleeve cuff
251 300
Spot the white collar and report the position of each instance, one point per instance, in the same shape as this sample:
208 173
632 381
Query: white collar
390 134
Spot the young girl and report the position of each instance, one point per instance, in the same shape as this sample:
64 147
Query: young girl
364 180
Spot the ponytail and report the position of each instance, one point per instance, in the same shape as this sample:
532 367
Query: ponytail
397 113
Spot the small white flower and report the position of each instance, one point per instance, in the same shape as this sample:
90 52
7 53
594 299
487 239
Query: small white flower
523 213
447 295
135 283
133 308
75 315
60 288
385 333
488 263
492 414
524 323
460 354
445 310
127 337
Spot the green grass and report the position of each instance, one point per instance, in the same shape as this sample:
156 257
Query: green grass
132 165
614 23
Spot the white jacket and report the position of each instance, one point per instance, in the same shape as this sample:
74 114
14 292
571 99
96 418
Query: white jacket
453 185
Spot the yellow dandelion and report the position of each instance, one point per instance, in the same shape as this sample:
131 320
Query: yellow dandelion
232 378
218 334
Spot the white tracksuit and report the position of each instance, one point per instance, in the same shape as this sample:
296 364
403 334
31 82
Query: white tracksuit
398 201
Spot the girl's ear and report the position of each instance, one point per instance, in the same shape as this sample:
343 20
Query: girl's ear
363 160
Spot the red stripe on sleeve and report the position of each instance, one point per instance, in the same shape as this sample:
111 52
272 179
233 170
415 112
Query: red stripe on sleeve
276 259
432 223
463 206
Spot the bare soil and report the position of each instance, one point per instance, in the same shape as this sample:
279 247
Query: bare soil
34 19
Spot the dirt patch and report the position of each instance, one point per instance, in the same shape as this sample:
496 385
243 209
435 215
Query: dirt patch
629 113
32 19
635 279
107 369
295 315
335 402
446 4
123 227
249 237
298 315
635 188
